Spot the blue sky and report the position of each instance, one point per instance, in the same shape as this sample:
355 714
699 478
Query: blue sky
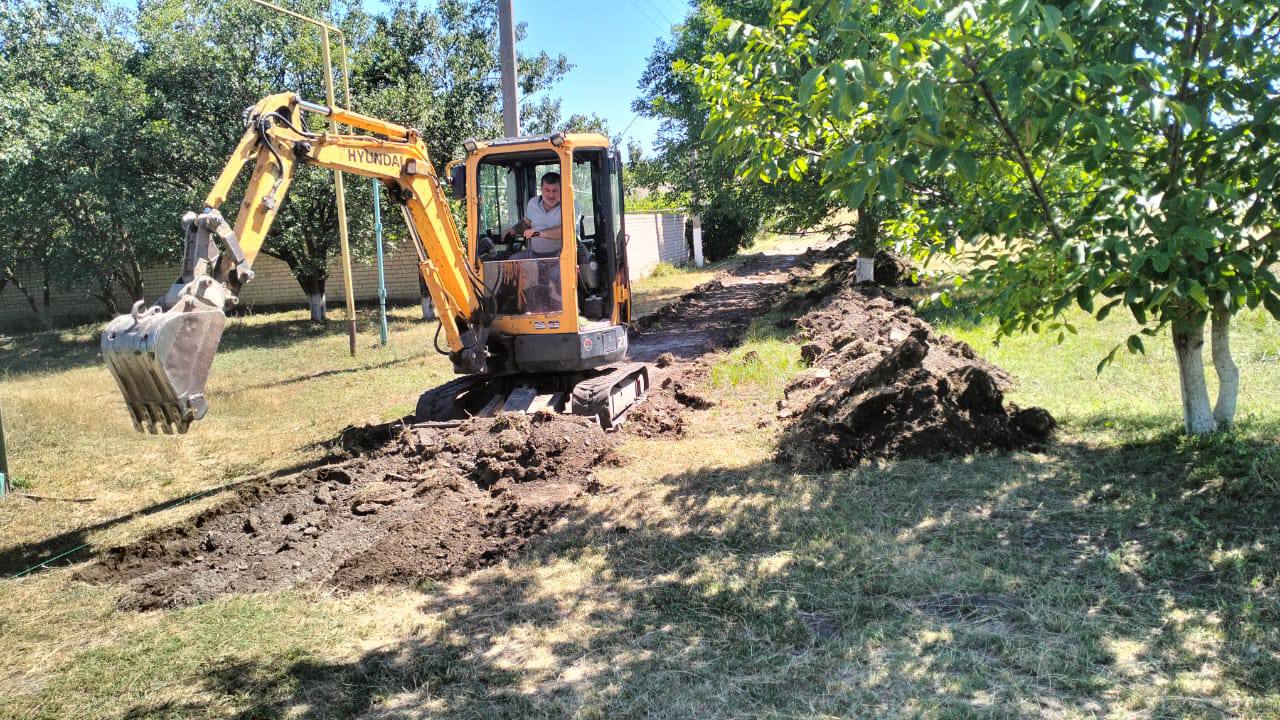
609 43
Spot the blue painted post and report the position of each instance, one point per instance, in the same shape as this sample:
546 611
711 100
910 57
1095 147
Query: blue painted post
382 277
4 461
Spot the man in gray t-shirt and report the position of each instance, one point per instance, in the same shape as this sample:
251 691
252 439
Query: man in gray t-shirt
543 216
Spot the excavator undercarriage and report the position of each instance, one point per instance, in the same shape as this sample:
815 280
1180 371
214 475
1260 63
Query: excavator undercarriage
604 395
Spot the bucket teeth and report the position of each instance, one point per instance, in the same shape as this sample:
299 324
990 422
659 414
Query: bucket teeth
161 360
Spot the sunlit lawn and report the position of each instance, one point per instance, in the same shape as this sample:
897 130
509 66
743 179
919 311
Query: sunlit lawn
1124 571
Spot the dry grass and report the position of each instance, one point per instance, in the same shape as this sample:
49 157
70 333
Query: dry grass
1124 572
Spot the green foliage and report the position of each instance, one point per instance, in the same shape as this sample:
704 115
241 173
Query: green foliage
117 123
1121 151
730 222
684 164
656 202
73 176
664 269
1102 154
545 118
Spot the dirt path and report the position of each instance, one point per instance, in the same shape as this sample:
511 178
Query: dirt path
415 503
678 339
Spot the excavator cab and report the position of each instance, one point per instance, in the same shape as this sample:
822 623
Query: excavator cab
560 306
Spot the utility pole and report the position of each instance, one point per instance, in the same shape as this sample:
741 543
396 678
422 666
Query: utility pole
507 52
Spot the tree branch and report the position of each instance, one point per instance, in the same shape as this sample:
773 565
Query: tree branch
1027 170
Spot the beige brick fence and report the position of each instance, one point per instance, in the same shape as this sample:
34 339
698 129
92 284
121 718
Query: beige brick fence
654 237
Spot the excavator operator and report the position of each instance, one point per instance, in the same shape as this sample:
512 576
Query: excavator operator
540 225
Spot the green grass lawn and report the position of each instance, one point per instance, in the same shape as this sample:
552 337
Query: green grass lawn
1125 571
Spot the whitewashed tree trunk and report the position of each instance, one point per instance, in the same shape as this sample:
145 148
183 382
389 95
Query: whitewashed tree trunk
1188 345
865 270
1224 411
315 300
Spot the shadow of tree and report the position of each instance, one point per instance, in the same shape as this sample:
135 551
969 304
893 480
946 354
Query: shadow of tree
1087 578
74 546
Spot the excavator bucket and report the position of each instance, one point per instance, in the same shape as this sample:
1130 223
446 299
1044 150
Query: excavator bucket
161 359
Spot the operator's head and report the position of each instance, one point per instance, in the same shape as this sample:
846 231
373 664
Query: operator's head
551 189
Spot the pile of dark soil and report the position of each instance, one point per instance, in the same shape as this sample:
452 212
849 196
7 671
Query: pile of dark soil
425 503
883 384
892 268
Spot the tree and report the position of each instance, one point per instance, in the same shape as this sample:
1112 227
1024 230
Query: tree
1101 154
683 170
431 69
686 170
547 119
70 166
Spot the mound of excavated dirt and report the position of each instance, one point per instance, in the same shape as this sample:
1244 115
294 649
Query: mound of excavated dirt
892 269
425 502
883 383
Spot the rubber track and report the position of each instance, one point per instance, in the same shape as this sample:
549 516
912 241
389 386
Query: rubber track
591 397
439 403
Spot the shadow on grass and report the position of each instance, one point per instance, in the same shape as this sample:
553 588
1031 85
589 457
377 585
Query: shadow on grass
1099 579
62 350
74 546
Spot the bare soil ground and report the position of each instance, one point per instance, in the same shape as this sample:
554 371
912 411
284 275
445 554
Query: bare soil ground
677 339
423 503
414 502
883 383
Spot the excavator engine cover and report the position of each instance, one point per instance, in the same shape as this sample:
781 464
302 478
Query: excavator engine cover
161 359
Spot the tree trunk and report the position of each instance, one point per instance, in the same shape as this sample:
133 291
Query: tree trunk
132 276
314 288
43 317
1224 411
107 294
867 231
1188 345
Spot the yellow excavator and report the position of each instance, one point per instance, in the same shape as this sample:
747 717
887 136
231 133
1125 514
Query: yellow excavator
527 330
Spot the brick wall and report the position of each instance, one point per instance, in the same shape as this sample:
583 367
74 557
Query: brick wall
654 237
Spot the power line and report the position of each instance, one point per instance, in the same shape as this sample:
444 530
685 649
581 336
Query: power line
661 12
647 17
634 118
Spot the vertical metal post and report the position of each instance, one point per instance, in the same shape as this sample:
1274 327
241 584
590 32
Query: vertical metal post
4 459
382 277
344 245
507 54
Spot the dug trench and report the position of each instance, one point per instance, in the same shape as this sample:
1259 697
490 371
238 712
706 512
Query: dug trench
420 502
411 503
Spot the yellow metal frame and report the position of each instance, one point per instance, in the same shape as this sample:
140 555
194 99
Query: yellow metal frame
344 245
540 323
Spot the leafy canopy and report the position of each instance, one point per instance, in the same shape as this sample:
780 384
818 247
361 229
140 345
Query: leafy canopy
1099 154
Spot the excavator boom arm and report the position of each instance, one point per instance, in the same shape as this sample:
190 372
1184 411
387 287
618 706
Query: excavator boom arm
161 356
